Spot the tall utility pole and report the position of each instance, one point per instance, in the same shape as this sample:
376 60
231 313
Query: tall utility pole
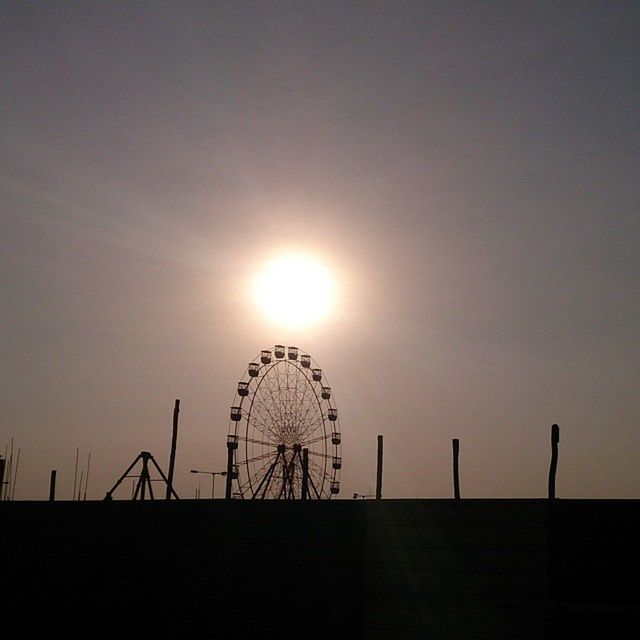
172 456
379 471
456 470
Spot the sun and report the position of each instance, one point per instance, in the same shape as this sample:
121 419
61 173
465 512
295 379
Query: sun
295 290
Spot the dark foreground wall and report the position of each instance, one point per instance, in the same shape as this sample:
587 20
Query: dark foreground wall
346 569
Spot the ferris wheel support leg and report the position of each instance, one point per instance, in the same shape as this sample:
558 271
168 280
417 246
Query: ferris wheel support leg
288 476
267 478
305 474
312 485
292 475
288 471
266 486
231 447
284 482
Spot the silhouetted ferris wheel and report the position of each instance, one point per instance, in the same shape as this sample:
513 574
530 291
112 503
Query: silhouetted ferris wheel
284 420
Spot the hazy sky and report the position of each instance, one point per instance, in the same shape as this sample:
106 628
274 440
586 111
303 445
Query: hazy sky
468 170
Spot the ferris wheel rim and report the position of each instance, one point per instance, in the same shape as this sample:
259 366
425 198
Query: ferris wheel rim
262 379
298 395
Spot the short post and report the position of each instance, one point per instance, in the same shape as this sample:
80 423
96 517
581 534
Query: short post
52 486
305 474
555 439
75 474
2 467
172 455
456 474
379 471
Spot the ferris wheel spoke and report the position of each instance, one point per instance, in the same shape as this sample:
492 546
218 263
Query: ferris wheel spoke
287 389
275 391
275 399
306 443
280 394
313 401
317 454
317 410
313 486
255 475
313 463
310 420
262 442
256 466
263 456
312 428
320 470
266 480
256 416
308 398
260 411
263 430
308 392
261 406
261 426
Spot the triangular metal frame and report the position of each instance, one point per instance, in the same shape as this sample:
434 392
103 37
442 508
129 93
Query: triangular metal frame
144 478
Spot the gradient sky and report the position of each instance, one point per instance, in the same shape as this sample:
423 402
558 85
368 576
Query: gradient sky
468 170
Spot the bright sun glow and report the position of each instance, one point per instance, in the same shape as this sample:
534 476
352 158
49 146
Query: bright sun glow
295 290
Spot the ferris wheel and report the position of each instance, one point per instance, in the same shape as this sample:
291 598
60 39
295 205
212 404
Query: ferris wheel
284 430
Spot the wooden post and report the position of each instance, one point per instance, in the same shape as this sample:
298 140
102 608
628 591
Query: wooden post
379 471
456 474
555 439
172 455
52 486
80 485
75 474
86 480
2 467
305 474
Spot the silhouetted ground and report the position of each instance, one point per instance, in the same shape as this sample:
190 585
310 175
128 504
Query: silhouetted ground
345 569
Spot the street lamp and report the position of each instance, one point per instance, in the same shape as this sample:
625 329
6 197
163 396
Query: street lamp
213 475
